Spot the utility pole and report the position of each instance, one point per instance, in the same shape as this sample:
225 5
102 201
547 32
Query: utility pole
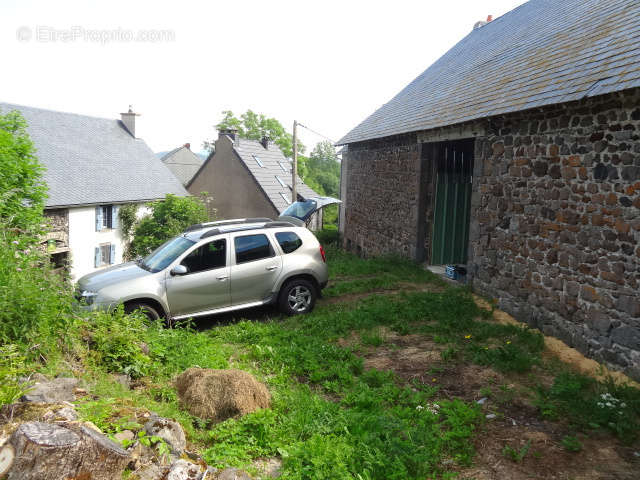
294 169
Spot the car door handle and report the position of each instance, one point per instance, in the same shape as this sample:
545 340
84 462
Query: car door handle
272 268
222 278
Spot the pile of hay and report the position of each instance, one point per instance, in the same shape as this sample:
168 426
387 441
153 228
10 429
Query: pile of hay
220 394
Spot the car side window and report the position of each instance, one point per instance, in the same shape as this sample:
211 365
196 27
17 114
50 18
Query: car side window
207 257
252 247
289 241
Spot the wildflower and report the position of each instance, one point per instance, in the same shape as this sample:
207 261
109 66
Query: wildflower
15 242
419 407
508 342
18 269
434 380
486 348
467 337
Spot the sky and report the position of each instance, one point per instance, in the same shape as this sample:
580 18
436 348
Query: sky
328 64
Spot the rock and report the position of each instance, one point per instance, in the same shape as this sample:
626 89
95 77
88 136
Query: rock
268 468
150 472
210 473
169 431
54 391
140 456
124 380
220 394
233 474
491 416
183 470
65 414
127 435
482 401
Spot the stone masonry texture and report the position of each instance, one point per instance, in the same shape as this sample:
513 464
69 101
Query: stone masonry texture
555 218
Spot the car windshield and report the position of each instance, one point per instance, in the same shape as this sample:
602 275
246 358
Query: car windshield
301 210
164 255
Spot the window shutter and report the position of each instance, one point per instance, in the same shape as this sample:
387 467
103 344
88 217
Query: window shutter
114 216
98 218
112 254
97 257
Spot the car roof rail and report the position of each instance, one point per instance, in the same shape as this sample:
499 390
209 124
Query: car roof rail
199 226
278 224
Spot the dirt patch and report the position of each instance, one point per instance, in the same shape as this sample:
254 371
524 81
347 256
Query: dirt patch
562 351
514 421
543 456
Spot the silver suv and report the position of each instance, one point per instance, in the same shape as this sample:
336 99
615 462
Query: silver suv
218 267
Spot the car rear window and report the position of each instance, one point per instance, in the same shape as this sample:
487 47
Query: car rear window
252 247
289 241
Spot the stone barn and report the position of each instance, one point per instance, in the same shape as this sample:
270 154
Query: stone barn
517 154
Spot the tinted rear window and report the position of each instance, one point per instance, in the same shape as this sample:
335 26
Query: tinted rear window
252 247
289 241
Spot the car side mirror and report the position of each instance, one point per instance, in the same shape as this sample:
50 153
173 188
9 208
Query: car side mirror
179 270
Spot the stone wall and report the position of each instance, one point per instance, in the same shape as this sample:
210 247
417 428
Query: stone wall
382 197
58 235
555 216
556 223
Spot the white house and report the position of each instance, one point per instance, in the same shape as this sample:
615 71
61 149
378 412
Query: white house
93 166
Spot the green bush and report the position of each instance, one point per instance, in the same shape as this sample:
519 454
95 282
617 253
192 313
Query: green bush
168 218
116 342
12 367
22 191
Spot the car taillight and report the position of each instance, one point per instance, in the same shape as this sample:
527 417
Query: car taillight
324 257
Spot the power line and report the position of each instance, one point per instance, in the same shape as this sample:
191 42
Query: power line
317 133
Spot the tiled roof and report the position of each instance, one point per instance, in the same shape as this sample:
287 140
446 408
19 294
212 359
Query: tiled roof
543 52
93 160
183 163
274 165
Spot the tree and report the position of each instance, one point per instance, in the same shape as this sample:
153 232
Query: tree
254 126
168 218
22 190
323 169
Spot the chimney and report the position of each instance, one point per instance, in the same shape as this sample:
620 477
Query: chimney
129 120
187 146
232 133
265 142
489 18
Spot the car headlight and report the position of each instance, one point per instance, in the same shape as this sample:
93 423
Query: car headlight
88 297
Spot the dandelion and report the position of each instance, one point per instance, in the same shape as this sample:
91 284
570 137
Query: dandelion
486 348
508 342
467 337
434 380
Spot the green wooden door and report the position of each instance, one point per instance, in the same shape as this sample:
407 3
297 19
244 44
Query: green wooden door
452 204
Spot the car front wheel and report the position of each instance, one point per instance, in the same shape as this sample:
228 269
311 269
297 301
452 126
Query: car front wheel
150 312
297 297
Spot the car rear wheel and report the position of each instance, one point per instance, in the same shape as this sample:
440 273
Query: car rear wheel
150 312
297 297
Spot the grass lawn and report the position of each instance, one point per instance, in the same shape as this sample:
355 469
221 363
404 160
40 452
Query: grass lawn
395 375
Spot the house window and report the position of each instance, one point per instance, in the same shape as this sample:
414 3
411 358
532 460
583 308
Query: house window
106 217
284 168
280 181
105 254
258 161
285 198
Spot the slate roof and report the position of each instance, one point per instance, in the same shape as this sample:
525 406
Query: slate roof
183 163
265 175
543 52
93 160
